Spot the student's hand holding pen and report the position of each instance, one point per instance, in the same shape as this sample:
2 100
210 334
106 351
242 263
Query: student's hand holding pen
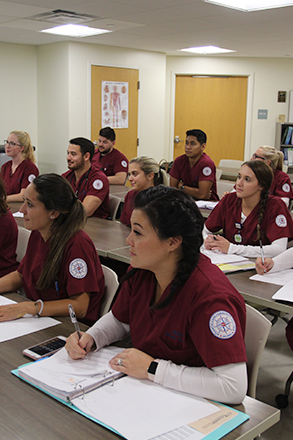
217 242
76 347
263 267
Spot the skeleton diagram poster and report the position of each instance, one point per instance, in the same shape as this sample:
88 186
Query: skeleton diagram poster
115 104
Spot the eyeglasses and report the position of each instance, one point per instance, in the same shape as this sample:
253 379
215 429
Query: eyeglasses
11 144
255 156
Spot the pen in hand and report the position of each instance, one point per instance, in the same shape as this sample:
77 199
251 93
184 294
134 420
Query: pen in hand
262 254
75 323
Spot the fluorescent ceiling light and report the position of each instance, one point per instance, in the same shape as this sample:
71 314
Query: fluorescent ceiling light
205 50
74 30
251 5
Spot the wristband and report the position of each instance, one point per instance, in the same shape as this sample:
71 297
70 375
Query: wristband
182 187
39 301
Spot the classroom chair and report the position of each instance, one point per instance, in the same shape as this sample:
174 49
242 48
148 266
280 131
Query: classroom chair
23 236
114 203
218 174
111 285
223 186
256 334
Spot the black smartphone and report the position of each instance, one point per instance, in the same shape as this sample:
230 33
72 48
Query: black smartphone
45 348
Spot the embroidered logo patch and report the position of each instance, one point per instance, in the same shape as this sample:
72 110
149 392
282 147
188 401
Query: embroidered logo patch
78 268
206 171
222 325
98 184
281 221
286 187
31 177
124 163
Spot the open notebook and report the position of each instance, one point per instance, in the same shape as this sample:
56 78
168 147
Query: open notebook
135 409
228 262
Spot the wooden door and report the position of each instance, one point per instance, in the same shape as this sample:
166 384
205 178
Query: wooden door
126 138
216 105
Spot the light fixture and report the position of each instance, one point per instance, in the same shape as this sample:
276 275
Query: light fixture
251 5
206 50
74 30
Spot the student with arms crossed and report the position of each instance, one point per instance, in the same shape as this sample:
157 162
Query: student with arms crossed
21 170
144 172
249 215
61 265
89 184
8 236
194 172
110 160
186 320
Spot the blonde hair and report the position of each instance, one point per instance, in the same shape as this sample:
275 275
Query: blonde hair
275 156
25 141
149 165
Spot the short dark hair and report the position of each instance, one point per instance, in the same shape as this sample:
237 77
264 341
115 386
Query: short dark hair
108 133
199 134
86 146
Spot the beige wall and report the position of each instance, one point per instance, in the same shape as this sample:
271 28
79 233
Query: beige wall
46 91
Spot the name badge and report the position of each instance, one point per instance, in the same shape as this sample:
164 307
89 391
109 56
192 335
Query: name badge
237 238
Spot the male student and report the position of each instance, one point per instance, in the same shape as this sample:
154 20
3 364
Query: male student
194 172
109 160
90 184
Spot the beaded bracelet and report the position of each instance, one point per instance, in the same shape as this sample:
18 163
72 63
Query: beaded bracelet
38 314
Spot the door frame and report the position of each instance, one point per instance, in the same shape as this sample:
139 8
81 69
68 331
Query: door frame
89 95
249 108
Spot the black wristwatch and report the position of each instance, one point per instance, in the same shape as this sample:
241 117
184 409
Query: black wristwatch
182 187
153 367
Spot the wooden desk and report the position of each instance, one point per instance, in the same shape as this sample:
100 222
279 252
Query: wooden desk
257 292
119 191
28 414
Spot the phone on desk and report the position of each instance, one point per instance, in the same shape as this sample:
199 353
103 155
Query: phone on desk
45 348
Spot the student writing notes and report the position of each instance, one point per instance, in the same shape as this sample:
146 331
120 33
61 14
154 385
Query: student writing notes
61 265
250 214
185 318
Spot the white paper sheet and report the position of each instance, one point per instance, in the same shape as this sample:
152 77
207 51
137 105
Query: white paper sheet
285 293
18 214
23 326
206 204
280 278
218 257
141 410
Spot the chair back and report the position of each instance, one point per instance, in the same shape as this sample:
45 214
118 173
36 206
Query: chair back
114 203
223 186
218 174
111 285
230 163
256 334
23 236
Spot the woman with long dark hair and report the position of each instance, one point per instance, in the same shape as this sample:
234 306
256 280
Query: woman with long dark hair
250 216
186 320
8 236
61 265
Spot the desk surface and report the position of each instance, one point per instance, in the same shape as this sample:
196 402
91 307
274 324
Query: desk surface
28 414
257 292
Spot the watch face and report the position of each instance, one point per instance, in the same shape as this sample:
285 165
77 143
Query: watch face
152 368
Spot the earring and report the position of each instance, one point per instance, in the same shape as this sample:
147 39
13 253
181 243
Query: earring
52 216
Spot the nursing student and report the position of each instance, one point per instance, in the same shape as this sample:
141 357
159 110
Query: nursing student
143 172
8 236
250 216
281 185
21 170
186 320
61 265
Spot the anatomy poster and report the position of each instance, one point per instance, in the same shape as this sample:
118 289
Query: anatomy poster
115 104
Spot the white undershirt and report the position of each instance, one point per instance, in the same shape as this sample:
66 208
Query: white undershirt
226 383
